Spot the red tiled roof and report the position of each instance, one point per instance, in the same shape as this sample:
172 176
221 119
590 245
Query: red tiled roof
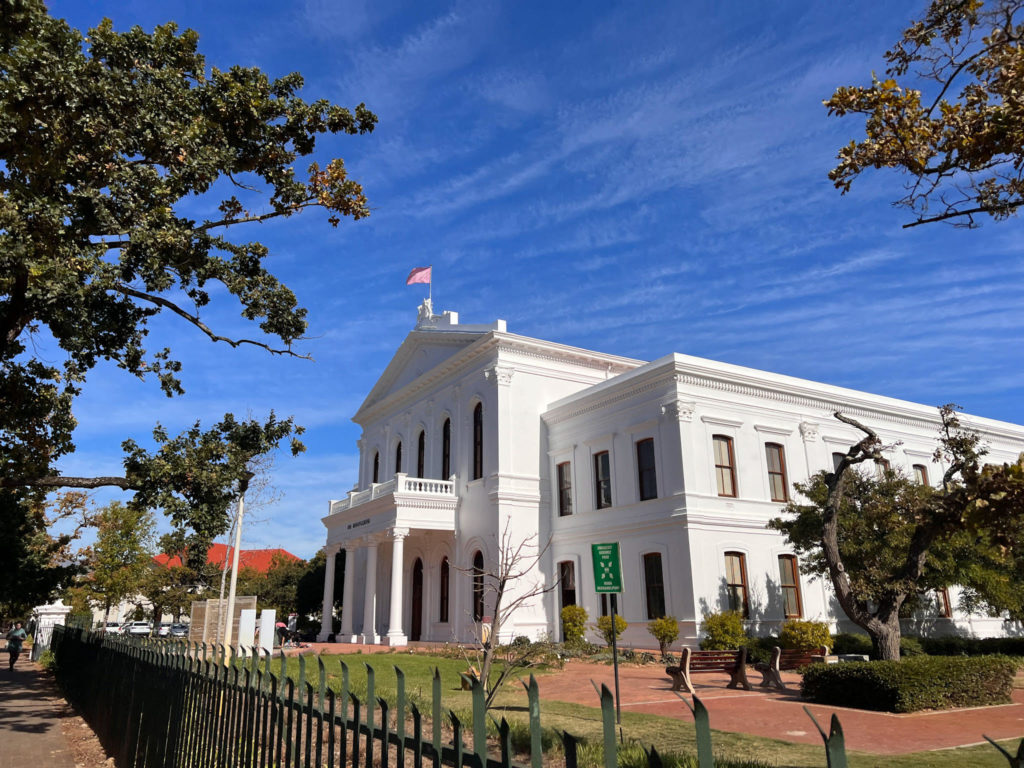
258 559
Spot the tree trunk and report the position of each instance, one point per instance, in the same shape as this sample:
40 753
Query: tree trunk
885 639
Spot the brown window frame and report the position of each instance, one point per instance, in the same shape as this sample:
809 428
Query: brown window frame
945 606
446 449
741 585
563 477
780 473
654 588
921 474
731 466
421 453
646 470
478 441
793 571
567 582
444 591
602 480
478 586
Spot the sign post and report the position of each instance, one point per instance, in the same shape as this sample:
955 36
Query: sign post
608 580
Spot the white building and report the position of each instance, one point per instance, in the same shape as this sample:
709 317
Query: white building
471 430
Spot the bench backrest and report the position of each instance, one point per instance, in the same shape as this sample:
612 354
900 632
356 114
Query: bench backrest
792 658
710 661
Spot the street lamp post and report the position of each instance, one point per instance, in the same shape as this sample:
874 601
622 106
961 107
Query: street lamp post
243 485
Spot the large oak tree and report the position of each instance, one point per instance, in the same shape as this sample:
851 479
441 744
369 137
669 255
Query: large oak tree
102 138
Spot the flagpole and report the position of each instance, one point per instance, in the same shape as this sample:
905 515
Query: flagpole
430 288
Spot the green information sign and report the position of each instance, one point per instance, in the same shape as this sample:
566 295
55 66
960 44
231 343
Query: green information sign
607 567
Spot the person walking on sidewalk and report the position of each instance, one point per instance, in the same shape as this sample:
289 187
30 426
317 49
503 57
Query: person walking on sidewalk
15 639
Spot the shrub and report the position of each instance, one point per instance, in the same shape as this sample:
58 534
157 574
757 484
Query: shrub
574 622
723 631
849 642
920 682
666 631
972 646
759 649
805 635
604 626
910 646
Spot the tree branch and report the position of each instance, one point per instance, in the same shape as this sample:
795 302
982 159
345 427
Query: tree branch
194 319
261 217
62 481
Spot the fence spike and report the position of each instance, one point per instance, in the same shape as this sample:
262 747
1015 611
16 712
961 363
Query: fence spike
456 737
417 737
653 758
479 720
370 698
435 726
344 690
702 725
569 743
608 727
323 680
533 697
400 713
835 743
385 752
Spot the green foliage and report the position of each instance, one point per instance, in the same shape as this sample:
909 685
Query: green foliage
103 227
910 646
309 599
666 631
972 646
920 682
850 642
47 660
118 562
574 623
805 635
723 631
604 626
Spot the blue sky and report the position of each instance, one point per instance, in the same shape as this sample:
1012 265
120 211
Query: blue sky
635 178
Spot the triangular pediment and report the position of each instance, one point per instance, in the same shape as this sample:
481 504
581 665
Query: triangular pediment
421 352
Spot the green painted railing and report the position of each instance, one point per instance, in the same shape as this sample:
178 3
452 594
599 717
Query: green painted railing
166 704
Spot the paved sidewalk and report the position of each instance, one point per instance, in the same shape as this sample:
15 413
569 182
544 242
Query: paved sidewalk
30 718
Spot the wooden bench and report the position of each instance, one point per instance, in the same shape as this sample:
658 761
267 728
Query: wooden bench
733 662
788 659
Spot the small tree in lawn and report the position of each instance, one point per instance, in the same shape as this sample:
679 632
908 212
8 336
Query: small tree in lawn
517 565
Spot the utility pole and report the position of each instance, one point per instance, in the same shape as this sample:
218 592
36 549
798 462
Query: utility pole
243 485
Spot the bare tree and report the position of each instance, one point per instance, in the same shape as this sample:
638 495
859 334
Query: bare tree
516 567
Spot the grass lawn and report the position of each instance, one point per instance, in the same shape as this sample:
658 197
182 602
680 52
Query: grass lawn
668 735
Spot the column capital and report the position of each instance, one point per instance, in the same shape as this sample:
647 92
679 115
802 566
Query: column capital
399 533
808 431
678 410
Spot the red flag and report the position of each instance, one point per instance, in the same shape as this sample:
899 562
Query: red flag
419 275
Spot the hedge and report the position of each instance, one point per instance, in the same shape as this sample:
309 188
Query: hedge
973 646
920 682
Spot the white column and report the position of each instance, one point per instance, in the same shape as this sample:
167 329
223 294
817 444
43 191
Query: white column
370 635
347 604
326 621
395 634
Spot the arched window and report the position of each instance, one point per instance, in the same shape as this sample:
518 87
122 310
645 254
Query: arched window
398 458
442 612
376 467
478 586
446 449
421 451
478 441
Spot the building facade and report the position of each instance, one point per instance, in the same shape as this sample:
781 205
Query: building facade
476 440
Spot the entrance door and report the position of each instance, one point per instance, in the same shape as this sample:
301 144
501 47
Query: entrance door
417 600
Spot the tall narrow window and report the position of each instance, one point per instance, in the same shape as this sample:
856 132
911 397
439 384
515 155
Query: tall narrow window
836 458
883 466
789 580
478 586
564 489
567 582
376 467
725 465
646 474
478 441
602 480
614 603
421 450
442 608
736 583
776 457
921 474
446 449
654 585
944 606
398 458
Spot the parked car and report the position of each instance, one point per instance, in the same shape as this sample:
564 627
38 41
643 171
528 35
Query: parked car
179 630
112 627
163 629
140 629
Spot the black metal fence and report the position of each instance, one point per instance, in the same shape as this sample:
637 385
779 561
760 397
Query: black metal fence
166 704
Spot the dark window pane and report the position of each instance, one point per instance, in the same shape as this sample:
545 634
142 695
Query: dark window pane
602 480
725 465
478 586
736 583
478 441
789 580
445 576
564 489
421 450
655 585
446 449
567 582
398 458
647 475
376 467
777 472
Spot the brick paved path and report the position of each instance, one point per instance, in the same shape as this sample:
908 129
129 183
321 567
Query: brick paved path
30 718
